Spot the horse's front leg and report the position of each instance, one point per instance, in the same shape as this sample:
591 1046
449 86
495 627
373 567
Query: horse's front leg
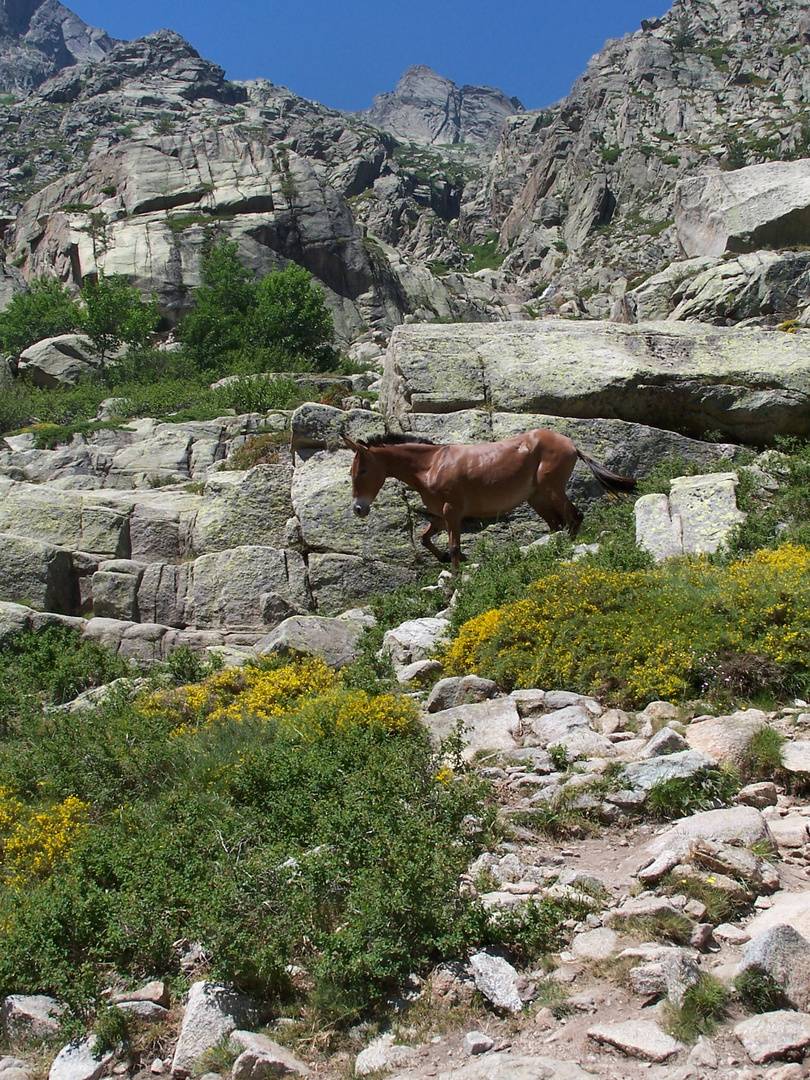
453 520
435 526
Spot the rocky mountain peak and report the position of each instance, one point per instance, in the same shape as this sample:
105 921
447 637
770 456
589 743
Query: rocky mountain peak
427 108
38 38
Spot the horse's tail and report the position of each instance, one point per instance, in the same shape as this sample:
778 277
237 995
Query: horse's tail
612 482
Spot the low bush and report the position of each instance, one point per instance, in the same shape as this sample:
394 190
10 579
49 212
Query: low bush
581 627
704 1006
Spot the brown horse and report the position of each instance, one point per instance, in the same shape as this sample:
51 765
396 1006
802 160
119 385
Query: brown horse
483 480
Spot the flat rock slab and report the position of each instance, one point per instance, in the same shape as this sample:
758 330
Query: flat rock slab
596 944
32 1017
637 1038
774 1036
488 725
505 1066
726 738
735 825
796 756
649 373
644 775
788 908
382 1055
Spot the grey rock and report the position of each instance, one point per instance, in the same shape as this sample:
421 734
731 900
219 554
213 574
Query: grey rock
261 1058
754 207
774 1036
726 738
566 368
760 795
644 775
476 1042
211 1013
383 1055
426 108
695 519
37 575
156 992
29 1017
672 974
783 954
78 1061
497 981
337 581
414 640
146 1011
487 725
243 508
743 825
333 640
59 361
637 1038
248 587
597 944
665 741
796 756
464 690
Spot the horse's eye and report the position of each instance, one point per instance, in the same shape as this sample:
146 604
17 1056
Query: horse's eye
361 472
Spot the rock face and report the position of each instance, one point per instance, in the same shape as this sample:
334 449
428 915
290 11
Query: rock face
762 206
40 37
426 108
687 378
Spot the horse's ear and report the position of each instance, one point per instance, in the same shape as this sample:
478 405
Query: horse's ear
355 446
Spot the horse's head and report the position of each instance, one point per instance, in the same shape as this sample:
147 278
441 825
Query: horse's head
368 476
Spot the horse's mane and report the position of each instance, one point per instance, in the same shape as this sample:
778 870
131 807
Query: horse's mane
393 438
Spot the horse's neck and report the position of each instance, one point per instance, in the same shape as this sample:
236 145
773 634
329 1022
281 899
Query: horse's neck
407 462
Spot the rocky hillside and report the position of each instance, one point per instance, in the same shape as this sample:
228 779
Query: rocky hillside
427 109
40 37
584 193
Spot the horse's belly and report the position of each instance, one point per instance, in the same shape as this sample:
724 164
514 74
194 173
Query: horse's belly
496 501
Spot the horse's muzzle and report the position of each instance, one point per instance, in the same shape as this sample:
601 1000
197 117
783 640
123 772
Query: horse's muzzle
361 508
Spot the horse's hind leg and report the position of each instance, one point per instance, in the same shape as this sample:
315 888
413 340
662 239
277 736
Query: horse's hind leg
557 511
453 535
436 526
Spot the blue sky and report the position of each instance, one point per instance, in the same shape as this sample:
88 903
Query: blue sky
342 54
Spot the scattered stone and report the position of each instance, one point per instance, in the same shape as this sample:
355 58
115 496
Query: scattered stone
382 1055
413 640
476 1042
759 795
637 1038
466 690
211 1013
644 775
157 991
731 935
774 1036
671 974
333 640
30 1018
261 1058
789 831
420 673
497 981
488 725
77 1061
596 944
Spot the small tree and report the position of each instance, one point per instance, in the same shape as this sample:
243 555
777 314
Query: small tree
216 326
115 315
291 321
46 310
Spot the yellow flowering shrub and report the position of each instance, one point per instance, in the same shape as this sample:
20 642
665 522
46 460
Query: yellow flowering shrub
688 627
338 710
37 843
10 808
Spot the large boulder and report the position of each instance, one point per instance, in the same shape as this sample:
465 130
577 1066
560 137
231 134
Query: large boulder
689 378
37 575
211 1013
72 519
756 207
695 519
248 587
59 361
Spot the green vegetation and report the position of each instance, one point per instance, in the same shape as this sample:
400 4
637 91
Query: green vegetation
483 256
682 796
763 758
239 327
46 310
115 315
280 323
758 992
704 1006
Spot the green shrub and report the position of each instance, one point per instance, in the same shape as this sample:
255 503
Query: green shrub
682 796
579 627
704 1006
763 758
758 991
47 309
